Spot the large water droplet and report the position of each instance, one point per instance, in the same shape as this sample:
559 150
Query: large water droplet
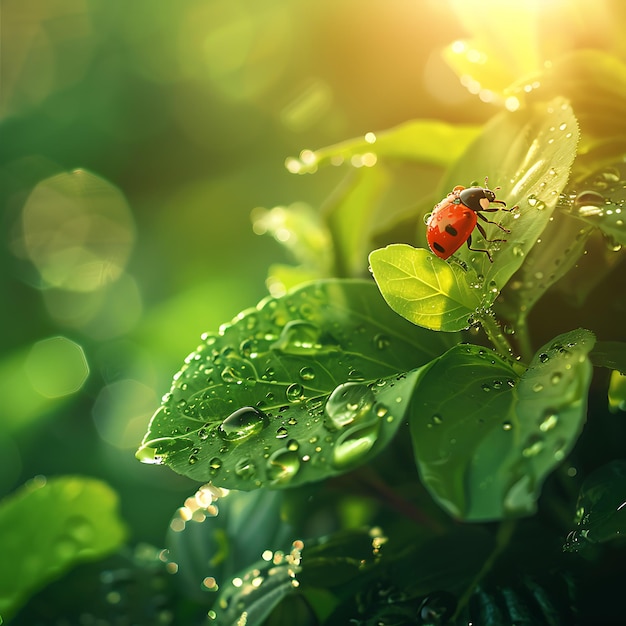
282 466
243 423
355 443
348 403
307 373
299 337
294 392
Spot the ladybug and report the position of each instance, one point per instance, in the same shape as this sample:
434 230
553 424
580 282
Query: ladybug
454 218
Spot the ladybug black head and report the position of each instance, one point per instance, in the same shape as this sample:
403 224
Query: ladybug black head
472 196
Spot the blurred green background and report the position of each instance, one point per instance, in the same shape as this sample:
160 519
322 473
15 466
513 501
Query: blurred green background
136 136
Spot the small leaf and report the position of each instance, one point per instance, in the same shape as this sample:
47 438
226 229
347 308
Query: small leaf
419 141
302 387
601 508
423 288
47 527
485 438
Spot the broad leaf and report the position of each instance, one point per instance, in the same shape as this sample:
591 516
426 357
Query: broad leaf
419 141
300 388
47 527
423 288
601 508
529 154
486 435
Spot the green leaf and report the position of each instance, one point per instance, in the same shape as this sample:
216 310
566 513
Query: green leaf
563 242
530 154
216 539
600 203
258 591
611 354
422 141
485 437
350 217
601 508
300 388
47 527
423 288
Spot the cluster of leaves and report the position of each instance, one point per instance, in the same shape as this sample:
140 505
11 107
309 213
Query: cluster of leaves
402 450
339 380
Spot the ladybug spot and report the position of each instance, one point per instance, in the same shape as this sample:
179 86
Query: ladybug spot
438 247
451 231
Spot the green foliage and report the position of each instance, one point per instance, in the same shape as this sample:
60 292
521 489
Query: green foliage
317 387
298 389
485 452
81 524
601 508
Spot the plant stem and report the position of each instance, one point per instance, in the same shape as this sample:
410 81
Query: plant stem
503 537
494 332
523 339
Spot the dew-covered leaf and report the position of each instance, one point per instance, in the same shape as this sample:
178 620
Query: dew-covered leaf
601 508
529 154
492 59
423 288
418 141
47 527
486 435
563 242
300 388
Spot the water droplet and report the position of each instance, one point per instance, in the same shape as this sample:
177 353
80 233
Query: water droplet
548 421
229 375
242 424
507 425
307 373
381 341
293 445
556 378
348 403
295 392
537 387
485 387
282 466
299 337
493 287
203 433
497 384
380 410
281 433
245 468
356 442
215 463
534 446
543 357
193 459
437 419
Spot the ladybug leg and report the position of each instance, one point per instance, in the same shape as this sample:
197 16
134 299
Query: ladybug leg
469 245
482 217
484 234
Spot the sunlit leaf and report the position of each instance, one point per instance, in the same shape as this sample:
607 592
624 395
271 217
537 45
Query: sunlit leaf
350 215
81 524
594 82
491 60
419 141
486 436
529 154
300 388
601 508
423 288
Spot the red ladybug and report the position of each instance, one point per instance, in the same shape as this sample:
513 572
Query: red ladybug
452 221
